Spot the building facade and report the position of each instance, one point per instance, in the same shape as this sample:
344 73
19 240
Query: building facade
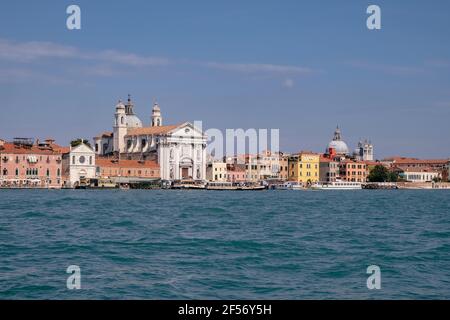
328 169
236 173
25 163
179 150
216 171
78 164
138 169
353 170
419 175
304 167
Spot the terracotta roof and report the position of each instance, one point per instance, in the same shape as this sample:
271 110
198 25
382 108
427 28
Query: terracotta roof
61 149
353 161
151 130
404 160
420 170
372 163
107 162
105 134
16 149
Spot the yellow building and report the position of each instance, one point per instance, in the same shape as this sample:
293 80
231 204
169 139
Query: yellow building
304 167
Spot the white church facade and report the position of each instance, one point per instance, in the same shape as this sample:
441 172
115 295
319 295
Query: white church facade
78 164
180 150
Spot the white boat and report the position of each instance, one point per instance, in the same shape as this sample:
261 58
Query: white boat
189 184
221 186
290 185
337 185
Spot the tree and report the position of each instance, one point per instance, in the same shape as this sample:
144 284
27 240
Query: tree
393 177
77 142
379 174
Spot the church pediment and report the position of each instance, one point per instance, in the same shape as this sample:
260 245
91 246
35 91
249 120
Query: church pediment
82 148
187 129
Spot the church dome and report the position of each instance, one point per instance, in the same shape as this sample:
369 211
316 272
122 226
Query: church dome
133 121
338 144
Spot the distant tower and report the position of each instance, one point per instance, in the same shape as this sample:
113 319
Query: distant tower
367 151
129 106
120 128
156 116
364 151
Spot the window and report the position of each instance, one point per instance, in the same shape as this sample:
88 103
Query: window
96 147
58 173
48 173
90 160
73 159
82 159
5 172
17 172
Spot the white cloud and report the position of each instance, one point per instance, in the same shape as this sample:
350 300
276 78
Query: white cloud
31 51
28 52
252 68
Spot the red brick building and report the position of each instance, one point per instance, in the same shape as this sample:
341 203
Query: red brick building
112 168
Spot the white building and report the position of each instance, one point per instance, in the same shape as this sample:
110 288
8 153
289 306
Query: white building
78 164
217 171
180 150
420 174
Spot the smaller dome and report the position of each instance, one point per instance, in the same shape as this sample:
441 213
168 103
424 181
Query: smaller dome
120 105
133 121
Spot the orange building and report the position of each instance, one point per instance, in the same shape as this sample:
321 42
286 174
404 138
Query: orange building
353 170
113 168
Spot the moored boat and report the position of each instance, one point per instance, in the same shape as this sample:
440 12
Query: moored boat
189 184
290 185
221 186
337 185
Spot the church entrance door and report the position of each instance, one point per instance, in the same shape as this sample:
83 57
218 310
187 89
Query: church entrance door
184 173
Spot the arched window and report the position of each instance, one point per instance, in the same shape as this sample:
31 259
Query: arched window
90 160
17 171
48 173
73 159
121 120
158 122
5 172
58 172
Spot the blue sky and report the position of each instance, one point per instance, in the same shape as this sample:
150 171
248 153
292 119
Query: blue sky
300 66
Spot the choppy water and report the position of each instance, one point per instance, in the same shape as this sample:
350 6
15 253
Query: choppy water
227 245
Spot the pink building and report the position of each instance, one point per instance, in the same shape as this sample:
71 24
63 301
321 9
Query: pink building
28 164
236 173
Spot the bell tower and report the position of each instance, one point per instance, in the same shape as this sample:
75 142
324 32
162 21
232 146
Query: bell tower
120 128
156 116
